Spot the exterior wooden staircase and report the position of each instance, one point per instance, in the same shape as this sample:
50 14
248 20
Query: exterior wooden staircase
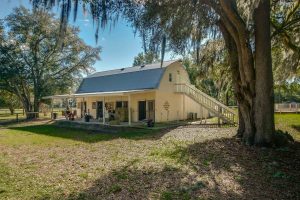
221 111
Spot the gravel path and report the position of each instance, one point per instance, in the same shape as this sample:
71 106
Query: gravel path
194 134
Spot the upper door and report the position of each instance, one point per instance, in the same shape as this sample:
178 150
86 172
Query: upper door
151 110
99 113
142 110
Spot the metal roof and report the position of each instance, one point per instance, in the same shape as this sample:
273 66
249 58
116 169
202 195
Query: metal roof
124 79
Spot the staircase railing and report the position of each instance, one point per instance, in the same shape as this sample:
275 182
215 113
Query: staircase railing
219 109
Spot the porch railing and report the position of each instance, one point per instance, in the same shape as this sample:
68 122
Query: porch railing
211 104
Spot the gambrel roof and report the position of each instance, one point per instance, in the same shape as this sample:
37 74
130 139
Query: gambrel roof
125 79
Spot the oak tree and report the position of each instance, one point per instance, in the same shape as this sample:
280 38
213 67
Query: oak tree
34 60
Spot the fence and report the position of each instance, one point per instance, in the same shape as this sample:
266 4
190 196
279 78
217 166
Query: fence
287 107
20 115
282 107
5 111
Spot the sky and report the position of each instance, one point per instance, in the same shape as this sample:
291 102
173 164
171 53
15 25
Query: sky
119 44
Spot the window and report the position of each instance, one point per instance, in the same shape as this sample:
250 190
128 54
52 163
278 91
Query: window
94 105
170 77
150 106
119 104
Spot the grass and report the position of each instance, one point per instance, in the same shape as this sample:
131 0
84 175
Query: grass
7 112
289 123
6 116
37 133
41 161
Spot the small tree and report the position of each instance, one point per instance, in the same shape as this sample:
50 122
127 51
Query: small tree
212 72
35 61
145 58
10 101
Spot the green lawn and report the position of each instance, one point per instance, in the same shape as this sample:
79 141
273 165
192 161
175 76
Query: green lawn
6 116
7 112
289 123
41 161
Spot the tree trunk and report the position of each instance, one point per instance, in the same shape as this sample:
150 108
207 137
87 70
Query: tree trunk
241 128
253 81
11 109
36 106
27 107
247 114
246 118
264 101
227 98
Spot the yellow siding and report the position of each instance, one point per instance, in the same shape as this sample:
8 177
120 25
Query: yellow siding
179 104
194 107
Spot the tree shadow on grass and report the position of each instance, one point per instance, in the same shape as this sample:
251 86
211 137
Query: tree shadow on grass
151 183
296 127
216 169
88 135
257 173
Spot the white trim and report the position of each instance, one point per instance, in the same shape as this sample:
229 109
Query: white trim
113 93
59 96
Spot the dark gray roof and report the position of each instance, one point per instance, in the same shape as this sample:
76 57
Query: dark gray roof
124 79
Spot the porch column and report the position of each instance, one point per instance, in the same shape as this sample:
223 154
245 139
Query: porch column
82 106
129 110
103 110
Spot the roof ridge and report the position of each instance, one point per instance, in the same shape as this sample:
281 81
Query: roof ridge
122 73
122 68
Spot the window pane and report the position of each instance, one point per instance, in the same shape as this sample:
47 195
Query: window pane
170 77
119 104
151 105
